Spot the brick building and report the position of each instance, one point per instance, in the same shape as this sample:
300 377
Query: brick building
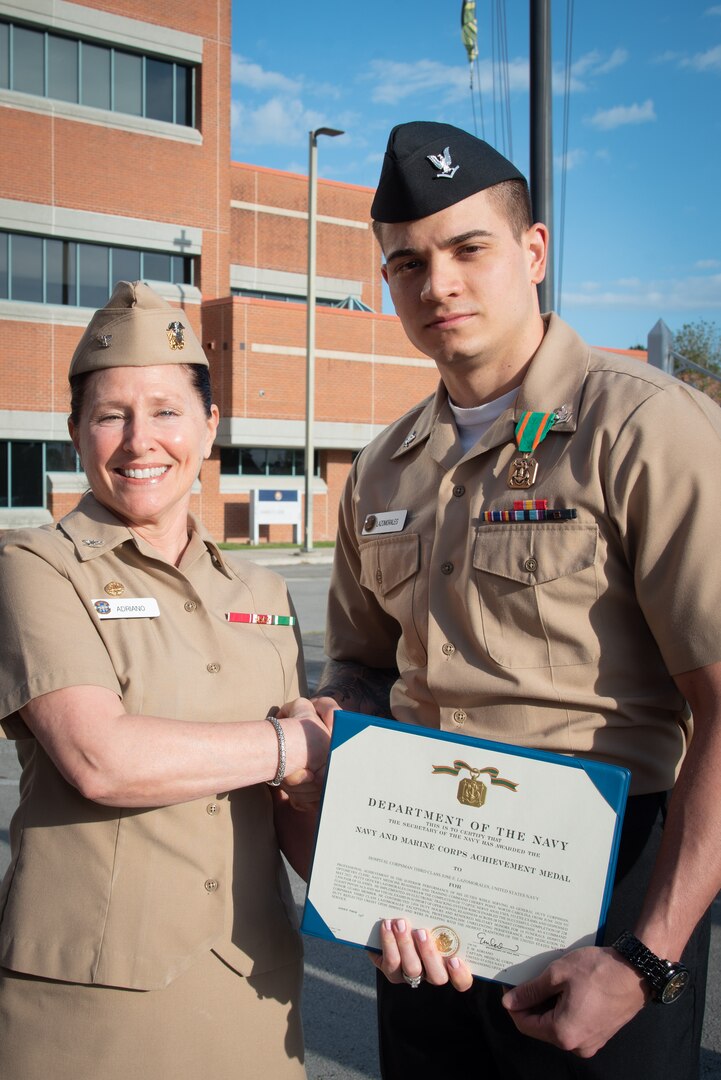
115 163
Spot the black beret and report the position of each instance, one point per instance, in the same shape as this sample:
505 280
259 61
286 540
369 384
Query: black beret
429 166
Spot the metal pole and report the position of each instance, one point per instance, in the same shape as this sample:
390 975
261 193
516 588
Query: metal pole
542 134
310 334
310 344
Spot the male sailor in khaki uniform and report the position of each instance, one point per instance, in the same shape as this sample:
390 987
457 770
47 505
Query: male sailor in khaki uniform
543 579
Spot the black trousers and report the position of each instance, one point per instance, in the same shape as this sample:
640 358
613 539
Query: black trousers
435 1031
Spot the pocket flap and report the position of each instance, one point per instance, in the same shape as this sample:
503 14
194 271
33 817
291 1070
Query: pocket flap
389 561
534 553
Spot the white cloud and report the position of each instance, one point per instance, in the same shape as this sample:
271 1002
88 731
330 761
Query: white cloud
706 61
396 80
715 10
615 60
685 294
572 159
587 67
703 61
619 115
245 73
707 264
277 122
670 56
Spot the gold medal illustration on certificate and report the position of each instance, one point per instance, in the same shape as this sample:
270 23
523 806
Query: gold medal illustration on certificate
531 430
471 790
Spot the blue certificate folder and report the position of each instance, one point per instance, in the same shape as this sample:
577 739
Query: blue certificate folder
611 782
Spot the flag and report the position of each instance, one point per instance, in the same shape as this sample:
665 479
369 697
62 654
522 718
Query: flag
469 29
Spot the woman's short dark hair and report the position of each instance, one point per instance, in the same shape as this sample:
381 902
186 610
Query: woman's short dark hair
199 377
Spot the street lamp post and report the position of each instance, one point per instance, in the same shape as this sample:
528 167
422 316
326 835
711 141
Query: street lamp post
310 333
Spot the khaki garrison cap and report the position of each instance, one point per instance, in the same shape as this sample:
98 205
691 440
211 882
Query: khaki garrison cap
136 328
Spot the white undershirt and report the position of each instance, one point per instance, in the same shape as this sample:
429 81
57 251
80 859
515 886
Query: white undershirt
475 422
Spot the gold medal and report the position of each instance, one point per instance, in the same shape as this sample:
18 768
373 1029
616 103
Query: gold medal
531 430
472 791
522 473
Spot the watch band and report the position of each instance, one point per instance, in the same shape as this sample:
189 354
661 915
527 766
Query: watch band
667 979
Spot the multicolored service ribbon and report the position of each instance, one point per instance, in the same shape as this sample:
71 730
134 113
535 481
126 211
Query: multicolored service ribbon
569 514
261 620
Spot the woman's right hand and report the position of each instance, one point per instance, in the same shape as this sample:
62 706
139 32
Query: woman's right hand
308 735
412 954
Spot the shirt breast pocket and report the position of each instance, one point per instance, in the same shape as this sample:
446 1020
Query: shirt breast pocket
538 587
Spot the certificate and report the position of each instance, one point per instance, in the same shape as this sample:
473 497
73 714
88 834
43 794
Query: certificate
506 855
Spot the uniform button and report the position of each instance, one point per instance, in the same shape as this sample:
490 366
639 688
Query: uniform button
212 808
460 716
379 577
449 648
211 885
459 490
531 565
213 668
190 605
447 568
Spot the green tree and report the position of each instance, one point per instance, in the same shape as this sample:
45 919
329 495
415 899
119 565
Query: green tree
700 342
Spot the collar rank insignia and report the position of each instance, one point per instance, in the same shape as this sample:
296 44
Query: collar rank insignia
175 335
409 439
442 162
93 543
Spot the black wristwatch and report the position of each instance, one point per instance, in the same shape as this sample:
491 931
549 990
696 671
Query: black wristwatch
667 980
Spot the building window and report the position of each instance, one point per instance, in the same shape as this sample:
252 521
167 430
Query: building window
86 73
23 466
49 271
264 461
261 294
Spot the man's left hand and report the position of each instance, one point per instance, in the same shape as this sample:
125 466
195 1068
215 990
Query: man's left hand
579 1002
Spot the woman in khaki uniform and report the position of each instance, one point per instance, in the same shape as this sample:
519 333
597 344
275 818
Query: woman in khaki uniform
146 923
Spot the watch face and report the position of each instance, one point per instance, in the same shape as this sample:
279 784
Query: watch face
675 987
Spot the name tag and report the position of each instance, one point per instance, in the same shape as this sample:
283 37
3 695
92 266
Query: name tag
130 607
388 522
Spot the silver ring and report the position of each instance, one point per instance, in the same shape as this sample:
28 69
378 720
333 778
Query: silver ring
414 981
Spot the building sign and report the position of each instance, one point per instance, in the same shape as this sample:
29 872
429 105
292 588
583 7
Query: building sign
274 506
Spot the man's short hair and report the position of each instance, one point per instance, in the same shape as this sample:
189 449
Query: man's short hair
511 198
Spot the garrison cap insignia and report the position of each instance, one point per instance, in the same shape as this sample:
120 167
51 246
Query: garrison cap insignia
175 335
104 340
443 163
114 588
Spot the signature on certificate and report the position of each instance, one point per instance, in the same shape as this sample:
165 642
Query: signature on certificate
499 945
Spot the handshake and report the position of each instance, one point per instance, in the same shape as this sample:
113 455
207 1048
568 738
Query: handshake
307 725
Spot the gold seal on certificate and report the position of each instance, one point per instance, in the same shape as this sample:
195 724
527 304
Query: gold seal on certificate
505 855
447 941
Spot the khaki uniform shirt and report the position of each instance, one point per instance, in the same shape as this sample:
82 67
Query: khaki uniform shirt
96 894
556 635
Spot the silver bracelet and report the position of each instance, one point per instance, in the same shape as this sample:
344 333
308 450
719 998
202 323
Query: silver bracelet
278 778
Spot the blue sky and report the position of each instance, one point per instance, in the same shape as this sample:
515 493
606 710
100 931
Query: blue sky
643 179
